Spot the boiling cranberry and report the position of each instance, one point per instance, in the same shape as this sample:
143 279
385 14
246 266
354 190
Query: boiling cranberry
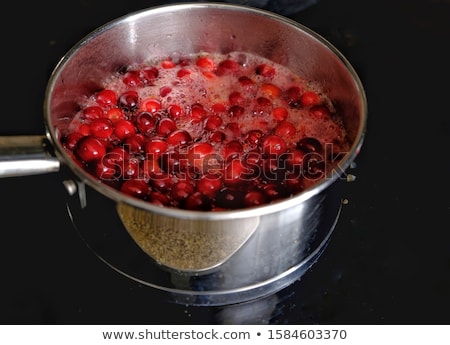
280 113
181 190
313 166
146 122
71 140
254 198
159 198
178 137
197 155
265 70
115 114
136 188
124 129
285 129
183 72
320 112
175 111
130 168
135 143
227 67
198 113
106 98
168 63
270 90
213 122
90 148
205 62
198 201
148 75
165 126
235 173
151 105
129 100
273 145
131 78
155 147
254 136
236 110
235 98
93 112
309 98
164 91
102 128
105 170
294 159
232 149
309 144
160 180
209 184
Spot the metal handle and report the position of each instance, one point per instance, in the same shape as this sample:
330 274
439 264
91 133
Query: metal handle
25 155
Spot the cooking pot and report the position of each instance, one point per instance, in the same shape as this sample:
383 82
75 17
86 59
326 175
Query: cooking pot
195 257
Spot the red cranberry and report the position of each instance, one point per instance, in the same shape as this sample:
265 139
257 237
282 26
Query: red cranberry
320 112
227 67
106 98
93 112
102 128
280 113
198 113
155 147
178 137
273 145
165 126
285 129
131 78
148 75
146 122
175 111
254 198
265 70
115 114
209 184
198 201
124 129
135 143
71 140
90 148
181 190
205 62
309 144
213 122
151 105
129 100
309 98
136 188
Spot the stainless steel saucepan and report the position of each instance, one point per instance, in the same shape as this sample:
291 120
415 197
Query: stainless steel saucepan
196 257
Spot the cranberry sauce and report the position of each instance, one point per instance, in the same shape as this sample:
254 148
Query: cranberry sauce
207 132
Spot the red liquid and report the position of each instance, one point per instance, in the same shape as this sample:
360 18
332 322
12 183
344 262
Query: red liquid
208 132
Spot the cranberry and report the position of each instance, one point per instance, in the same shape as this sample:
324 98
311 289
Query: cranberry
165 126
146 122
213 122
285 129
105 170
178 137
93 112
135 143
175 111
265 70
102 128
90 149
227 67
217 137
136 188
106 98
236 110
131 78
294 159
164 91
270 90
124 129
235 98
198 113
159 198
320 112
273 145
209 184
183 72
130 168
151 105
309 144
254 198
280 113
168 63
235 173
309 98
128 100
198 201
148 75
71 140
181 190
254 136
313 166
160 180
115 114
197 153
232 149
155 147
205 62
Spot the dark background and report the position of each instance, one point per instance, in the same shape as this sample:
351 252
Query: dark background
388 261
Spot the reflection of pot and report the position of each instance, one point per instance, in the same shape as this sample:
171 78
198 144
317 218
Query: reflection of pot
228 256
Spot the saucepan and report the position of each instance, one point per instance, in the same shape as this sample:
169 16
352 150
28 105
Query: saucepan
195 257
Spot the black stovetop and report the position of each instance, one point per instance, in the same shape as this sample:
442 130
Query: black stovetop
388 261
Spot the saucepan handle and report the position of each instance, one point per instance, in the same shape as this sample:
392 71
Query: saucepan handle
24 155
